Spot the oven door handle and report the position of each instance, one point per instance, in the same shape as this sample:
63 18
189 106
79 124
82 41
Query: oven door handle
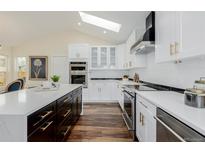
171 130
128 127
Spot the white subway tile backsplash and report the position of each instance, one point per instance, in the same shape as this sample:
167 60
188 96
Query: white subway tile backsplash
180 75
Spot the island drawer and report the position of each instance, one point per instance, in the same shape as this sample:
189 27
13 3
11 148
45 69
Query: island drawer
45 133
64 130
39 117
64 102
63 114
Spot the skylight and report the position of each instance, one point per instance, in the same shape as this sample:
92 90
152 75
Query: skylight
100 22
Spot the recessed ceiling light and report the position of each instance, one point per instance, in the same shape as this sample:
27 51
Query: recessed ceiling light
104 32
100 22
79 23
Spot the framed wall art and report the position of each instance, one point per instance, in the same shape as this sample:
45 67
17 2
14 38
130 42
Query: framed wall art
38 67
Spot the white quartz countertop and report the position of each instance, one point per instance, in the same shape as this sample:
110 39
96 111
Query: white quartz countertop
173 103
27 101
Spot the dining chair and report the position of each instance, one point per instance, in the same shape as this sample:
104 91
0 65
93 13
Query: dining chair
22 82
13 86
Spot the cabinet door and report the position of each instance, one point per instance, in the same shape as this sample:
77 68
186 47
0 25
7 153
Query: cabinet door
140 123
112 57
165 29
103 57
94 57
146 124
105 91
45 133
192 34
93 91
150 127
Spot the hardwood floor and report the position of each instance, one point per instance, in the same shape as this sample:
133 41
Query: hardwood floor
100 122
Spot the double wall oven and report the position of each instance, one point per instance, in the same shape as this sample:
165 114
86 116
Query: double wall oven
79 73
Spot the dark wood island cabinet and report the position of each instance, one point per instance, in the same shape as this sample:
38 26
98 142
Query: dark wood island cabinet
55 121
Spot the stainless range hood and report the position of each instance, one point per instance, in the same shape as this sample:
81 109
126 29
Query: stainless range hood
147 42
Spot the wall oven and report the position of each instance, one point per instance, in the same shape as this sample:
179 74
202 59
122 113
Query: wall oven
170 129
129 112
78 73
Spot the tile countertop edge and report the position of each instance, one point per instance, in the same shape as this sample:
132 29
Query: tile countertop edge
23 113
174 114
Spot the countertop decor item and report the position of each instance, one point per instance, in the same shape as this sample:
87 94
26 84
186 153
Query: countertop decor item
136 78
125 77
201 81
55 78
195 97
38 67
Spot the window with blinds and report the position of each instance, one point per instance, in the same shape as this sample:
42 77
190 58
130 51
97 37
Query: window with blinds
3 69
21 67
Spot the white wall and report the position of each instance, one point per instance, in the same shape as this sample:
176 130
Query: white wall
178 75
53 45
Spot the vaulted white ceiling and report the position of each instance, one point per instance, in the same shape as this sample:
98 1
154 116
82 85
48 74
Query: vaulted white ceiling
17 27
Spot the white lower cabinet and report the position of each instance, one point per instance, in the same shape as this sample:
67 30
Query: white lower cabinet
102 91
146 124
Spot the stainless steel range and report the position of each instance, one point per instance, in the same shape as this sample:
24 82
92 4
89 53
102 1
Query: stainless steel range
78 73
130 97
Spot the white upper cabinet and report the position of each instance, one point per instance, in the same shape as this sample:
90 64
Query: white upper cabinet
164 35
112 56
78 51
179 35
103 57
191 34
94 57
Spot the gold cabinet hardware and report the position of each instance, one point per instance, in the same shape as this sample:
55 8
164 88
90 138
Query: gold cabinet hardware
65 100
45 115
48 124
142 120
67 112
140 117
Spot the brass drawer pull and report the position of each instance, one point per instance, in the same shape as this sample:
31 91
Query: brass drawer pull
48 124
140 117
142 120
65 100
67 130
68 112
45 115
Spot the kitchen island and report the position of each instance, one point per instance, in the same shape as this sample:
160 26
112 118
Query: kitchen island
40 115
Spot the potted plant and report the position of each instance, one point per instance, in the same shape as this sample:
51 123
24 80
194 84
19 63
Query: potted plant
55 79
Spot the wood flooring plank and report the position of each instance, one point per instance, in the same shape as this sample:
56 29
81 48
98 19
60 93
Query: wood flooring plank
100 123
